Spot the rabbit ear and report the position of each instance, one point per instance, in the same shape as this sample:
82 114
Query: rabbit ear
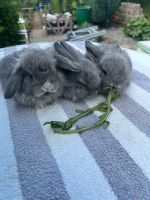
116 46
74 53
62 51
13 84
93 49
67 64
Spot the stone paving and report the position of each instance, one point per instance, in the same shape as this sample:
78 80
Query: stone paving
115 34
39 34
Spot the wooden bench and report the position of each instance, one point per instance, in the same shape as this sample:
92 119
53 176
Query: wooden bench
60 25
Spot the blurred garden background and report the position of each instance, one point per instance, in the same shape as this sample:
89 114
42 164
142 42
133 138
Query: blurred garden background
28 21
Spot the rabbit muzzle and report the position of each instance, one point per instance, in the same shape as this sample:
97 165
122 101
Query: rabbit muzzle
48 87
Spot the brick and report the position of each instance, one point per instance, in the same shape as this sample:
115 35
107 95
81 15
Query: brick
121 9
137 6
123 4
117 13
136 12
128 10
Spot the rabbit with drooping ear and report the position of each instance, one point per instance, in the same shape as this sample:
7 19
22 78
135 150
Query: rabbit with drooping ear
114 64
33 80
82 75
8 64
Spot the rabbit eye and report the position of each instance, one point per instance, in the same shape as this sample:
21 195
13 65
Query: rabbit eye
104 72
30 76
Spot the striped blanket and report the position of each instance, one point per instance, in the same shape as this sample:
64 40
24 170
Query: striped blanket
100 164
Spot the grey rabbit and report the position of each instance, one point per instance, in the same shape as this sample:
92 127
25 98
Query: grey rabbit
30 76
114 63
82 76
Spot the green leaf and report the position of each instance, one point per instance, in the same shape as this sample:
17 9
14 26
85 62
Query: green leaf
79 130
111 109
79 111
103 117
57 124
106 124
103 104
47 123
105 107
68 125
137 27
146 29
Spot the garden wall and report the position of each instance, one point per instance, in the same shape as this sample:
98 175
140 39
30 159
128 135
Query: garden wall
127 11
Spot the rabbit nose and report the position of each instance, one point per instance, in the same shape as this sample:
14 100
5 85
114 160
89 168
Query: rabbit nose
48 86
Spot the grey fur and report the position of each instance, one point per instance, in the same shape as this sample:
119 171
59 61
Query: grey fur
7 65
32 77
114 63
82 75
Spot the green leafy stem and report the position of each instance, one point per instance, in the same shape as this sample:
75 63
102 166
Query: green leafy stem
104 107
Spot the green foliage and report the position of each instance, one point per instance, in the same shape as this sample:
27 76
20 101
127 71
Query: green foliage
85 25
60 6
104 107
8 23
56 6
101 10
27 3
68 5
146 6
138 28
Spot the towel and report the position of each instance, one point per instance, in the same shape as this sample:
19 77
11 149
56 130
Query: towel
100 164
